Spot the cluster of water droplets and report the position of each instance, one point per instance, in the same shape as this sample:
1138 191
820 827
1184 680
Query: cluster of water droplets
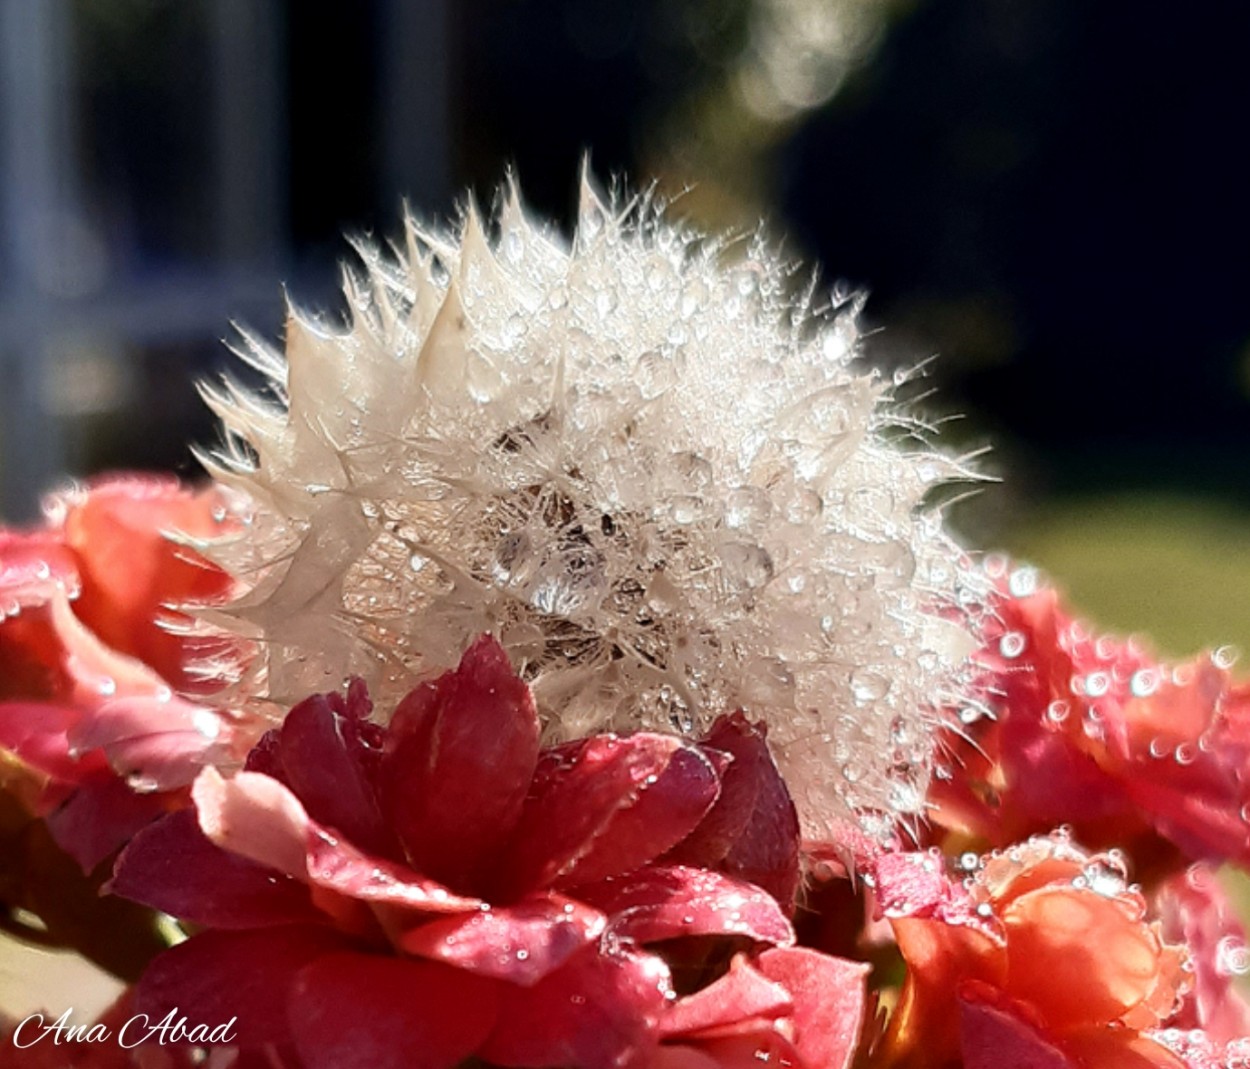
657 476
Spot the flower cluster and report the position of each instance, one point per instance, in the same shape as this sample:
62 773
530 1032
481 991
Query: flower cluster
515 706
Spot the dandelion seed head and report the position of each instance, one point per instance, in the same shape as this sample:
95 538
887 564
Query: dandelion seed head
661 480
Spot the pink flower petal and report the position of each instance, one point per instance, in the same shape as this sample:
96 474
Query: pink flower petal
160 740
253 816
829 1000
338 866
753 829
762 1048
743 994
173 867
38 732
357 1011
459 759
670 901
598 1012
520 943
101 816
326 762
217 975
607 805
993 1037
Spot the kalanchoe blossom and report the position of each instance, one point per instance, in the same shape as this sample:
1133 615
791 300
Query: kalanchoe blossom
1040 956
92 667
1197 911
445 885
1091 731
660 479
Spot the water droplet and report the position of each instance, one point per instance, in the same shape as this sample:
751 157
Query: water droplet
1023 582
745 566
1144 682
106 686
1012 644
1231 956
747 508
1225 657
868 686
655 373
1057 712
1185 753
1097 684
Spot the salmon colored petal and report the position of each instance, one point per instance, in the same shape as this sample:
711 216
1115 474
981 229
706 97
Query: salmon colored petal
132 570
325 762
671 901
763 1048
173 867
217 975
598 1012
830 996
588 815
459 759
358 1011
338 866
743 994
520 943
253 816
1078 956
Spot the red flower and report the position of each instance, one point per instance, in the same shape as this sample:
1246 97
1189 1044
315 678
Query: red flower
1091 732
89 666
790 1006
443 887
1041 957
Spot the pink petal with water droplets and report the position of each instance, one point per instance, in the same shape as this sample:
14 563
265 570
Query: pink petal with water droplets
829 995
173 867
254 816
217 975
338 866
358 1011
38 733
670 901
753 829
161 740
325 761
520 943
598 1012
607 805
739 1001
459 758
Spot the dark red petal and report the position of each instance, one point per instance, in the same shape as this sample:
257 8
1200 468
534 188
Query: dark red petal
829 999
172 866
670 901
215 976
459 759
103 815
358 1011
743 994
339 866
324 761
753 830
605 805
599 1012
521 943
993 1036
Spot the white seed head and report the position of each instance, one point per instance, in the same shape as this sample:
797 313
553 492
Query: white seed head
660 480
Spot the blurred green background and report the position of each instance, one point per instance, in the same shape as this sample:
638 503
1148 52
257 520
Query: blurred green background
1050 194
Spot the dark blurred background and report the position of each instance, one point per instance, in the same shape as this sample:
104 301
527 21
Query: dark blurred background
1050 194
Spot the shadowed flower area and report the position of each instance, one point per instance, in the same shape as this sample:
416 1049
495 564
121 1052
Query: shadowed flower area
1092 732
95 732
443 887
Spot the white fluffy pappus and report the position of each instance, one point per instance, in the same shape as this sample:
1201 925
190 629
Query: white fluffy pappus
661 480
